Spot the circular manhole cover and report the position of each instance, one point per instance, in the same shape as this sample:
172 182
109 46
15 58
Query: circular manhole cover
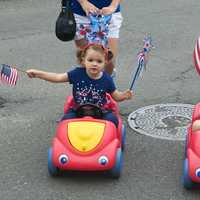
165 121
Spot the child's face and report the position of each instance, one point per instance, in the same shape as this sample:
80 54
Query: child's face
94 62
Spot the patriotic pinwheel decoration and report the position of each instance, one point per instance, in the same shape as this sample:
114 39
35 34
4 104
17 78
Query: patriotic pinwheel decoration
142 59
97 30
196 55
8 75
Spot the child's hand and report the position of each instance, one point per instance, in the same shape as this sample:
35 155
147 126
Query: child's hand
89 7
32 73
122 96
128 94
107 10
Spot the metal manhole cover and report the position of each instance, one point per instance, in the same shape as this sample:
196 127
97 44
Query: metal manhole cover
165 121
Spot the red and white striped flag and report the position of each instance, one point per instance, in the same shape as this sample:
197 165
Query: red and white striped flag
141 58
196 56
9 75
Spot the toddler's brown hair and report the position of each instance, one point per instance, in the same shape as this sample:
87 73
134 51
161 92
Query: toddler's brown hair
96 47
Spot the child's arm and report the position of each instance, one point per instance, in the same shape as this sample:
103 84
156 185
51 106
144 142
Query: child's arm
48 76
111 8
121 96
88 7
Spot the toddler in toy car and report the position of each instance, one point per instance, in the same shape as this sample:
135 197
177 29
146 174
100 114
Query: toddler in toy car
90 81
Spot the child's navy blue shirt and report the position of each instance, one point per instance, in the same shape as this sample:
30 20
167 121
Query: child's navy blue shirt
87 90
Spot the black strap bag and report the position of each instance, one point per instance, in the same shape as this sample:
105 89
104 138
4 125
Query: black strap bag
65 23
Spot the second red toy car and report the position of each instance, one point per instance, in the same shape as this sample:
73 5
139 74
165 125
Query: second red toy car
191 167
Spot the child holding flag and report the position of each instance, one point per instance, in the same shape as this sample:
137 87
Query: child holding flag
90 82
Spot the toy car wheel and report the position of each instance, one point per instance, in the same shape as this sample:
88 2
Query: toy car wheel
186 144
187 182
53 171
116 170
123 137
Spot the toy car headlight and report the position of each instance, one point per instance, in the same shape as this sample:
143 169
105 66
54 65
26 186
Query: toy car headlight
63 159
198 172
103 160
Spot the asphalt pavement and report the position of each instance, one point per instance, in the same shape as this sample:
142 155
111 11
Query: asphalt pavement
28 112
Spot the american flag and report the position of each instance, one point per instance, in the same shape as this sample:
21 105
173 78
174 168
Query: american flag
9 75
141 63
142 59
196 55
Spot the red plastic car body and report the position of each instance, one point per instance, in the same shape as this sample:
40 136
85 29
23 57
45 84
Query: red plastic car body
191 168
87 144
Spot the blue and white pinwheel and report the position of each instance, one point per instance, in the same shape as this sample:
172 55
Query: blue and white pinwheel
97 30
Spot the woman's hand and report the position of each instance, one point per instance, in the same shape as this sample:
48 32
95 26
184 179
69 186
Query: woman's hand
89 7
108 10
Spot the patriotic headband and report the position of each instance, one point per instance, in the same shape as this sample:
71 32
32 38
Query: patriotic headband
108 52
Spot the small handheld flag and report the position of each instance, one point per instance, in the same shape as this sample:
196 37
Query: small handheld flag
8 75
196 56
142 59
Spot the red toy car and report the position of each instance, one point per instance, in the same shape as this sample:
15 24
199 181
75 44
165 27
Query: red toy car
87 143
191 168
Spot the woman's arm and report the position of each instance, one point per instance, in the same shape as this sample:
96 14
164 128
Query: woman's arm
48 76
115 3
121 96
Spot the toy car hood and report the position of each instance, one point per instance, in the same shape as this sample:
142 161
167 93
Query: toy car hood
85 135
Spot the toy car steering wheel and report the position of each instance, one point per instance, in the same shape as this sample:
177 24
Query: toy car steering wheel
89 110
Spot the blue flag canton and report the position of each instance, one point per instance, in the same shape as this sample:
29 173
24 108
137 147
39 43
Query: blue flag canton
6 70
